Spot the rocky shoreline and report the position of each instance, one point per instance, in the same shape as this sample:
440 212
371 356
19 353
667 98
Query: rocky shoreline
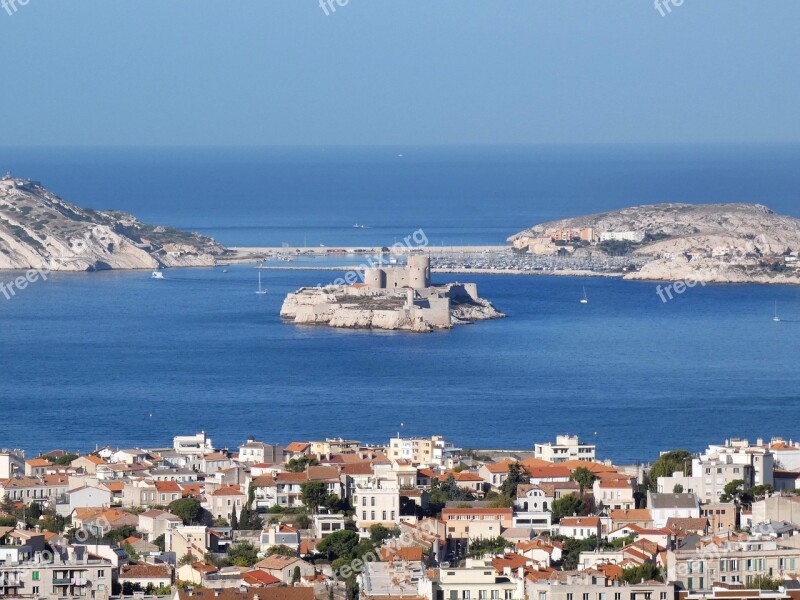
39 230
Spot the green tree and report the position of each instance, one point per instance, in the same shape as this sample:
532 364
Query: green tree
764 582
295 575
234 520
186 559
644 572
677 489
300 464
446 491
314 494
281 550
243 554
160 542
583 477
62 460
187 509
491 546
378 533
734 491
130 551
667 464
566 506
517 474
339 544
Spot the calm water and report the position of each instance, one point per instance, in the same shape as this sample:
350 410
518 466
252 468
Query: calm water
118 358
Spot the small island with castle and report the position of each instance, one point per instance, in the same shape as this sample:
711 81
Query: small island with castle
393 297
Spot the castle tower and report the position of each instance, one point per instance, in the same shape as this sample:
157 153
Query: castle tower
419 271
375 278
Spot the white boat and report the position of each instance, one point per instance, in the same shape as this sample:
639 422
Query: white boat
157 275
585 299
260 290
776 318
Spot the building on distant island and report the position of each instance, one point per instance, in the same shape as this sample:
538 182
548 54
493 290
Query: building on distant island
393 297
622 236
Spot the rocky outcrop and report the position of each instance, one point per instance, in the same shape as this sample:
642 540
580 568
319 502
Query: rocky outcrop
355 308
722 243
39 230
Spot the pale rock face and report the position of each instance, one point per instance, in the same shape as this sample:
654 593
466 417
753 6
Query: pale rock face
321 306
721 243
39 230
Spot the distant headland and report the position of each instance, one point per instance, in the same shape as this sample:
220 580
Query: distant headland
39 230
713 243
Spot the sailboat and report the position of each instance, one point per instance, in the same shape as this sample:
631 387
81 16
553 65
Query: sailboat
585 299
260 290
776 318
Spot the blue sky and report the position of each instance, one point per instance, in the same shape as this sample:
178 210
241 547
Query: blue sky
183 72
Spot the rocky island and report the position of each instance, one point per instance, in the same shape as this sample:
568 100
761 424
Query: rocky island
39 230
714 243
399 297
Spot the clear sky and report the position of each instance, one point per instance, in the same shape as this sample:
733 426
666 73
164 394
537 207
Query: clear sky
243 72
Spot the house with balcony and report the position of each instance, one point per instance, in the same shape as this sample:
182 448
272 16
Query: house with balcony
565 448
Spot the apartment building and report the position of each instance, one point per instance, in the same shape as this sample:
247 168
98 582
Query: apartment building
580 586
258 452
421 451
376 504
721 464
733 559
478 580
473 523
331 446
69 576
565 448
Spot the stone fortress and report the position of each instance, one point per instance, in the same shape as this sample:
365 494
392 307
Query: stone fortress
392 297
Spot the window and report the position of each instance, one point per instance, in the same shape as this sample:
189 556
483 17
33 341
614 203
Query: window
372 501
383 518
482 595
690 583
36 575
364 501
35 590
101 574
569 596
372 515
465 595
508 595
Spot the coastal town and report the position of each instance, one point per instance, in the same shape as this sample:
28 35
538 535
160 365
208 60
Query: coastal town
415 518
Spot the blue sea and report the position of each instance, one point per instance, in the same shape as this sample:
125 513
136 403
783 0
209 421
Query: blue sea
115 357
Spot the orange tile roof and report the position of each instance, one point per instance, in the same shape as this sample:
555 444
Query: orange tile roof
501 467
512 561
634 514
259 577
297 447
38 462
167 486
549 472
405 553
465 476
227 490
594 467
359 468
